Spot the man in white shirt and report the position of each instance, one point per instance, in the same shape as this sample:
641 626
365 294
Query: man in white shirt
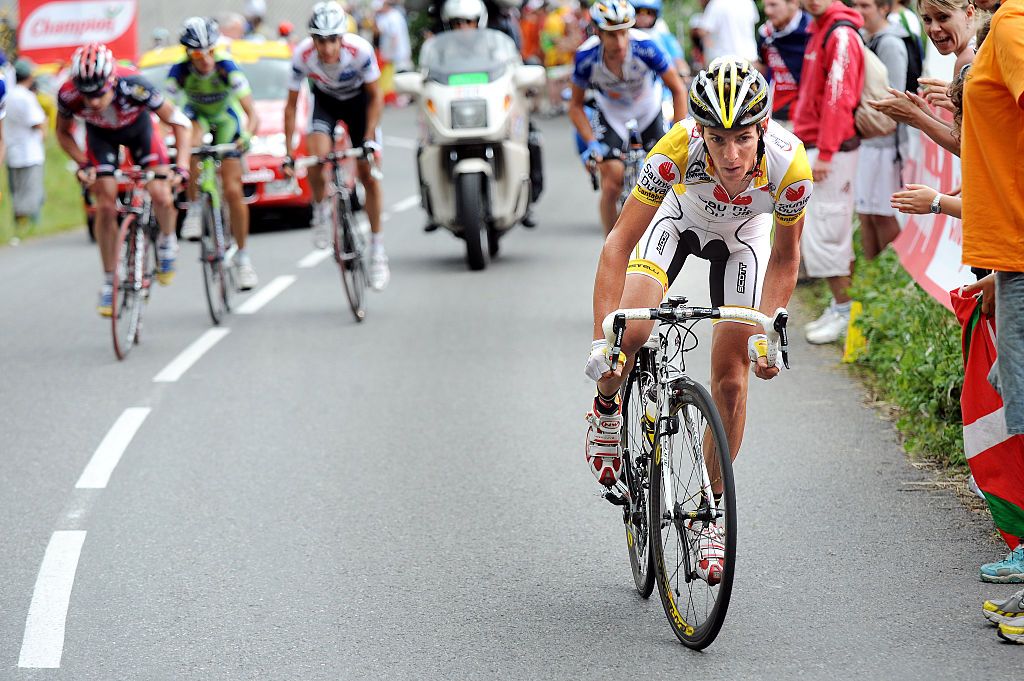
394 36
23 130
727 28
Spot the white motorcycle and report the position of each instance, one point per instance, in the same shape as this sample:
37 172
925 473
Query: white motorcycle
474 160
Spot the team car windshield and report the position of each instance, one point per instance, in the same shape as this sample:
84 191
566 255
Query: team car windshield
452 54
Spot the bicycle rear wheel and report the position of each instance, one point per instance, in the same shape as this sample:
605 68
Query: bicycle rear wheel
215 282
636 463
683 471
127 297
349 254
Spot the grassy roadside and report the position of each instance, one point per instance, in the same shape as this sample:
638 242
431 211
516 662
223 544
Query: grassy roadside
912 363
62 208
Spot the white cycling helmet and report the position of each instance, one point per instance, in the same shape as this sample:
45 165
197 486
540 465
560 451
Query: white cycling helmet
467 10
328 19
612 15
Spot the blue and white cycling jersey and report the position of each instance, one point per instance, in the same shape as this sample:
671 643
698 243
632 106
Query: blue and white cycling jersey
637 94
3 96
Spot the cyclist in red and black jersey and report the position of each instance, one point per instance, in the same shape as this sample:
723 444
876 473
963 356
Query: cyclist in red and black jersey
115 105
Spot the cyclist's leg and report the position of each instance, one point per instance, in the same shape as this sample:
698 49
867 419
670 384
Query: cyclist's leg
611 169
227 129
102 152
320 140
735 280
353 113
198 130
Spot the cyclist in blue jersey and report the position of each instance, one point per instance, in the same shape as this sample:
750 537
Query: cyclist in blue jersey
648 20
622 66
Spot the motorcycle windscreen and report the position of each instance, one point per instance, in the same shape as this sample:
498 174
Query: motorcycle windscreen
468 57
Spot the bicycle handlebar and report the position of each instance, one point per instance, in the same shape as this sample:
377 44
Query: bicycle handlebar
358 153
215 149
676 310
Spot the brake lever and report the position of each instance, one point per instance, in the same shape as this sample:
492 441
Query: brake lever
781 319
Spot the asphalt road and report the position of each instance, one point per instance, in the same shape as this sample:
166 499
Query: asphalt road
407 498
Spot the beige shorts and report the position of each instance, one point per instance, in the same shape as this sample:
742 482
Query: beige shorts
878 177
827 241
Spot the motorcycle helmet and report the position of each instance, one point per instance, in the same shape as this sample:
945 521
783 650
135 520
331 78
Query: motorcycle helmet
466 10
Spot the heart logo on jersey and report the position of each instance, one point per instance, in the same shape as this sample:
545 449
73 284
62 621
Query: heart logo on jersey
666 172
721 194
743 200
794 194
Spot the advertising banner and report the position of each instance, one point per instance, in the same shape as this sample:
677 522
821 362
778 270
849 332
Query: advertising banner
50 31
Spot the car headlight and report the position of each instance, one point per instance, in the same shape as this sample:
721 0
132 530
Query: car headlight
469 113
269 145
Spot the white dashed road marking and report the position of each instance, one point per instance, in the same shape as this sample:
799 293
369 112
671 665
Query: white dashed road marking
314 258
266 294
97 473
43 644
190 355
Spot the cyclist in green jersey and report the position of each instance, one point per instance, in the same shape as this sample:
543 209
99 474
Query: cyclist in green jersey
215 94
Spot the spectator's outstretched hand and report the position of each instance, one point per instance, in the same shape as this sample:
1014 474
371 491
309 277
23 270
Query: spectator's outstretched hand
902 107
820 170
936 92
916 200
986 288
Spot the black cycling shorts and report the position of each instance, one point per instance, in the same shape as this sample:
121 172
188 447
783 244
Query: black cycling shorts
605 134
144 145
327 111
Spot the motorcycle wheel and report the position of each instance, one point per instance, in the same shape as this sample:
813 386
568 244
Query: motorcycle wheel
469 208
492 242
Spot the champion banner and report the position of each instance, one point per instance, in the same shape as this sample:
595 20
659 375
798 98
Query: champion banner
996 458
50 31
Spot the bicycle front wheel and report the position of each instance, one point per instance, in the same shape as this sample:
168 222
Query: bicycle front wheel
127 298
636 449
693 513
211 254
349 254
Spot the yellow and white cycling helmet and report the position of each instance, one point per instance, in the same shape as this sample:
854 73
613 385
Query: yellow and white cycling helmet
612 15
730 93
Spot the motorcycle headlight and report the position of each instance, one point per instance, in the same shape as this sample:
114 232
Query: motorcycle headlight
469 113
270 145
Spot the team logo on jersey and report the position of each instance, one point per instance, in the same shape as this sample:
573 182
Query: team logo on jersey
721 195
697 172
781 143
657 176
795 193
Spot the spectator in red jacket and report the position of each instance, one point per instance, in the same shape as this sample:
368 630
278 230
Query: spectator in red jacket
831 81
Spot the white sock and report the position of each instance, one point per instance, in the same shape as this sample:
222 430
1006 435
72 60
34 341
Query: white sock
167 240
108 278
377 241
843 308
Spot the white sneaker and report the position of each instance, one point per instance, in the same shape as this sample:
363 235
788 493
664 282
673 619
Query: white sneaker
829 312
192 227
321 224
830 330
604 453
380 272
247 279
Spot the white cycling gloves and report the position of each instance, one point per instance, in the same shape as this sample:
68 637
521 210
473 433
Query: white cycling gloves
598 364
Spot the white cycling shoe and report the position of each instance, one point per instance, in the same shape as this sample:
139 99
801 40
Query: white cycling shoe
320 227
604 451
710 551
247 279
192 226
380 272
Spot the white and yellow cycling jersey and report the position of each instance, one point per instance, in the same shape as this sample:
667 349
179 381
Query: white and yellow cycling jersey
696 216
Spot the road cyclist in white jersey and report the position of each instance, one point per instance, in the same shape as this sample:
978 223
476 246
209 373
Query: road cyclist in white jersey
343 75
625 69
711 188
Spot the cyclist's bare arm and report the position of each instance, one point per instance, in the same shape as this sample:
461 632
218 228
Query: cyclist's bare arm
181 127
253 122
675 85
67 140
780 278
611 268
289 120
578 116
374 108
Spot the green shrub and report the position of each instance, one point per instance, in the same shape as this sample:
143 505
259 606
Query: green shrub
913 359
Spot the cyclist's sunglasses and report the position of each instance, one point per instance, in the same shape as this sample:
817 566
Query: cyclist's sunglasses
96 94
322 39
195 54
464 22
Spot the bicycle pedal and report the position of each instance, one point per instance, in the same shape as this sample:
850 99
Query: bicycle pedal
615 499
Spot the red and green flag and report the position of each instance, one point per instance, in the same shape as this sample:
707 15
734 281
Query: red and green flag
996 458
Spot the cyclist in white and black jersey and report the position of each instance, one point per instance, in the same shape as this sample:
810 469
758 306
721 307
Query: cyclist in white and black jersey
343 74
625 68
